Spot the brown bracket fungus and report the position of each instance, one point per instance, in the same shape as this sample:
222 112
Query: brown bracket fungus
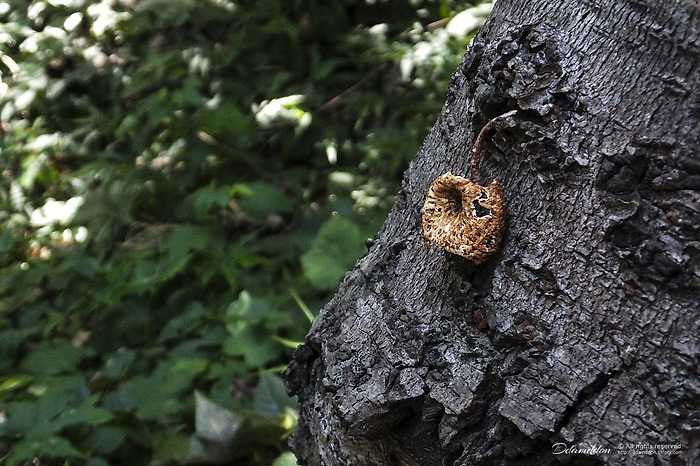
464 217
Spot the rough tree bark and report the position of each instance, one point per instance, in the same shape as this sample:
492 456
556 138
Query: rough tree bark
584 330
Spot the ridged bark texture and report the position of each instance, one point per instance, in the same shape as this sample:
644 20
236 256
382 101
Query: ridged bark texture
583 332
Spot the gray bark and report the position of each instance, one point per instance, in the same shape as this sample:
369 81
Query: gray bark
584 330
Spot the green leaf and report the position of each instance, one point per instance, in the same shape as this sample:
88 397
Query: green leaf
214 422
263 200
96 462
215 428
10 340
181 372
7 241
333 252
184 324
19 418
118 363
255 346
87 414
13 382
200 204
246 309
225 121
169 447
32 166
52 358
271 398
222 436
286 459
43 417
105 439
179 246
49 447
152 399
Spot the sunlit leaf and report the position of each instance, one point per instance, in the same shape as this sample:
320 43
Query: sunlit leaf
286 459
14 382
288 343
215 428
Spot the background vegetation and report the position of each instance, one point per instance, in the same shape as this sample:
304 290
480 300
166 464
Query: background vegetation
184 184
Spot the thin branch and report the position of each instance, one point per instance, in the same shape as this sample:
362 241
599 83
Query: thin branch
212 141
349 91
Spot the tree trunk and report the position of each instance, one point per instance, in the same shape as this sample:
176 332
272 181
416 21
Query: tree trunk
578 342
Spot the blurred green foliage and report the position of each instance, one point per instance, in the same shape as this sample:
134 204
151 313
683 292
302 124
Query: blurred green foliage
183 183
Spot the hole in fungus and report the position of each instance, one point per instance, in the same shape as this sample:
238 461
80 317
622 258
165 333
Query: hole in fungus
479 210
454 201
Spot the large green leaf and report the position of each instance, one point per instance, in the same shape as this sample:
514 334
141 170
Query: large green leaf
246 308
179 248
334 251
105 439
252 344
248 322
264 199
52 358
85 415
199 205
271 397
150 398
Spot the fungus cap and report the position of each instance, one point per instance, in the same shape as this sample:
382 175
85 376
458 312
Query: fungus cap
464 217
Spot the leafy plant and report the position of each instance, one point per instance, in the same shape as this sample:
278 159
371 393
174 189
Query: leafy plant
183 184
